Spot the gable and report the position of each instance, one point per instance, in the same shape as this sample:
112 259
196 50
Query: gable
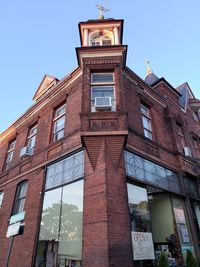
46 83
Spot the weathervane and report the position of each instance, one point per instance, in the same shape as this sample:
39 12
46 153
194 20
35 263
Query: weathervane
102 9
149 70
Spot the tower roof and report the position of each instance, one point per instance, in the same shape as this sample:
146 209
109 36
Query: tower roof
151 78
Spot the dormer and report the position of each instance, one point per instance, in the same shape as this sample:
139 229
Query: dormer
101 32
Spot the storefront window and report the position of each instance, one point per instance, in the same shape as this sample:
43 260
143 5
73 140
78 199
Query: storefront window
196 207
60 237
182 227
142 242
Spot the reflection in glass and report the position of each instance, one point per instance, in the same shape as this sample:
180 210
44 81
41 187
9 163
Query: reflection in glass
71 222
182 227
138 208
50 215
143 251
60 238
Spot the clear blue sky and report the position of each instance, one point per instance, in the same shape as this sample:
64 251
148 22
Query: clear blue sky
40 36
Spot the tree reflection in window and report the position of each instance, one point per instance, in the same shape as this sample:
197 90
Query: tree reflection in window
60 237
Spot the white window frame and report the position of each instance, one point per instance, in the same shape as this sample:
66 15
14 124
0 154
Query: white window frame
19 201
32 136
103 84
1 198
58 118
146 115
9 155
100 39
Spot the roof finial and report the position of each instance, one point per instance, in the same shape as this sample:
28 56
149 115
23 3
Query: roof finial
149 70
101 9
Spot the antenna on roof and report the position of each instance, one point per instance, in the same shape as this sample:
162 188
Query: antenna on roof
101 10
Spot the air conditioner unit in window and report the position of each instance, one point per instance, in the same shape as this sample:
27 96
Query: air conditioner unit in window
103 103
187 151
26 151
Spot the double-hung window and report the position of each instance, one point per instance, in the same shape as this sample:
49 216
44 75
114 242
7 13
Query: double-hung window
102 92
10 153
196 146
32 136
181 138
1 198
20 198
59 122
146 121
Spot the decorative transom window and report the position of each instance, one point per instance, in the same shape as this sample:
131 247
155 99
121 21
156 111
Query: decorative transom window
32 136
146 120
101 40
102 92
9 155
20 198
59 122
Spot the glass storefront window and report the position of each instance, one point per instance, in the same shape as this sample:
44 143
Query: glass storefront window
60 236
182 227
70 239
50 215
142 242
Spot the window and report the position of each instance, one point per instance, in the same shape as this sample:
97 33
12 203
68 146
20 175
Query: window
32 136
101 40
61 223
1 198
9 155
181 138
195 116
59 122
146 120
20 198
102 91
196 146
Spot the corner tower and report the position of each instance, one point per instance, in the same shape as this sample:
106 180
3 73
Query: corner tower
102 58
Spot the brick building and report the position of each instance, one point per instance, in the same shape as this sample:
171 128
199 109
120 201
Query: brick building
103 169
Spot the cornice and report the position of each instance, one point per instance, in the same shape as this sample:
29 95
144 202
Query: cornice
59 87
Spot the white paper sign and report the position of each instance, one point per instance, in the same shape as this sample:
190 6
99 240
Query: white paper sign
179 214
143 248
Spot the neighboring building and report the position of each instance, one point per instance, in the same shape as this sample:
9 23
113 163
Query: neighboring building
103 169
